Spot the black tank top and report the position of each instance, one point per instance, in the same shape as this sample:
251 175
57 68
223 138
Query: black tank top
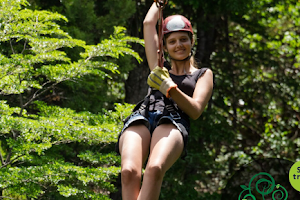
186 83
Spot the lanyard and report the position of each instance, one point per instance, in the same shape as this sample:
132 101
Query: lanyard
161 4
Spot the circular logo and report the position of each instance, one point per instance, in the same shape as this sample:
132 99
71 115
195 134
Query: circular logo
294 176
262 179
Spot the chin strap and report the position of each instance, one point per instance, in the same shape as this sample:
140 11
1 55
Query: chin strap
186 59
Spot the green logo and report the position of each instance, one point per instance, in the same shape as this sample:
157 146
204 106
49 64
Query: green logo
263 187
294 176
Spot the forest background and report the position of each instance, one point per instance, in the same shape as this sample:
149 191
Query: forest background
72 70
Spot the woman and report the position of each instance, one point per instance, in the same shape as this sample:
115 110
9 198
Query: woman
161 134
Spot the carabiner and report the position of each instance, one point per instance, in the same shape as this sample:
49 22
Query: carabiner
161 3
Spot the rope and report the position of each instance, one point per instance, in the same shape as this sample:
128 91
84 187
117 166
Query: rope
161 4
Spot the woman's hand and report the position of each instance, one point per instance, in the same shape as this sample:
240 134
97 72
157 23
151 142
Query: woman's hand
160 79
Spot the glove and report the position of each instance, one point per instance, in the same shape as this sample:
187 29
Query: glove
160 79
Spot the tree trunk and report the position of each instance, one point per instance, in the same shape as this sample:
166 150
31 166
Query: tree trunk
206 35
136 85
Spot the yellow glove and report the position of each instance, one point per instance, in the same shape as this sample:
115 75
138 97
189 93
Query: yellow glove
160 79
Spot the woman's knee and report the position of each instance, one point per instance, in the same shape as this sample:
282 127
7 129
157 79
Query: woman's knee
155 171
130 173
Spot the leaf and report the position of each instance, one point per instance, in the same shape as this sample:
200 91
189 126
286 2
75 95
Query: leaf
244 187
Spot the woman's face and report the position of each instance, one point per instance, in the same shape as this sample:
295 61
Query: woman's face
178 45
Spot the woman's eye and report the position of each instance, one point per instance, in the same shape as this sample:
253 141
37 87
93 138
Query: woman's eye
183 39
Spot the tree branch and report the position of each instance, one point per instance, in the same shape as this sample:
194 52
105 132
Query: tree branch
24 47
7 161
36 94
10 72
21 98
1 157
5 197
11 46
11 161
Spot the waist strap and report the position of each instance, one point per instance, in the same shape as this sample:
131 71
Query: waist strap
170 109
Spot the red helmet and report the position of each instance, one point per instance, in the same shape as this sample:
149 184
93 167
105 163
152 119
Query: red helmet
177 23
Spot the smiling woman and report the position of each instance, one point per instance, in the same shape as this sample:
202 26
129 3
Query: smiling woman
179 46
181 32
159 127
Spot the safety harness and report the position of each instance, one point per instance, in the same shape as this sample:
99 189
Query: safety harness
142 108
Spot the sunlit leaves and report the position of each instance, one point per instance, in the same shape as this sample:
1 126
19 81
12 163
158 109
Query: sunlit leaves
39 153
29 139
45 45
99 158
114 47
37 43
32 181
27 24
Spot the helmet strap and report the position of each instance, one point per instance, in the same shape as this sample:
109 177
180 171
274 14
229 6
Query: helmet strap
185 59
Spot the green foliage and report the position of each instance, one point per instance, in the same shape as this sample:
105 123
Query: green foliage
32 166
264 67
254 113
36 58
49 151
257 83
116 46
38 161
93 22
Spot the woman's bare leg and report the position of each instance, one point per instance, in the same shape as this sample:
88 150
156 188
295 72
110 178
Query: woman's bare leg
134 149
166 147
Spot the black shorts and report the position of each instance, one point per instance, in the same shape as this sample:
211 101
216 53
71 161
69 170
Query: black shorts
154 119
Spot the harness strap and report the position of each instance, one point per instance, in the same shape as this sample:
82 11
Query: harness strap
143 107
172 110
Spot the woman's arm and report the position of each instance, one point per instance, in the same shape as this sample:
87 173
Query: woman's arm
194 106
151 37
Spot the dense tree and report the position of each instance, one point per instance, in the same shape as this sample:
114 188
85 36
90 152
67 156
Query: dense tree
49 152
92 21
254 113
